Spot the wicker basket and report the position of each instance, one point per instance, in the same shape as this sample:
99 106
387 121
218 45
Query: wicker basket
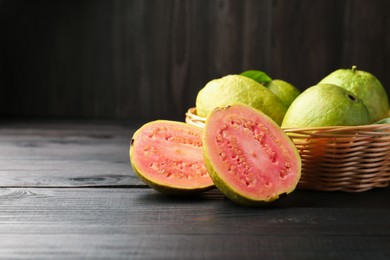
350 158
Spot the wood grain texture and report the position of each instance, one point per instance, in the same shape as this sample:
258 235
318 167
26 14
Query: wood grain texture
143 224
66 153
68 192
148 59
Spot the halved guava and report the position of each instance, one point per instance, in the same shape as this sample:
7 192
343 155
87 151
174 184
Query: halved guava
168 156
249 157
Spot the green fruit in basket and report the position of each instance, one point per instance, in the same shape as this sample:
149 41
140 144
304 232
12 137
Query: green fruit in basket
249 157
239 89
284 90
168 156
326 105
365 86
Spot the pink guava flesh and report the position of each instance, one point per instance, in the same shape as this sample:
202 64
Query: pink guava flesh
249 154
169 155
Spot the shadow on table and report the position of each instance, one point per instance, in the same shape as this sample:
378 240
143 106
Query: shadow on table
375 198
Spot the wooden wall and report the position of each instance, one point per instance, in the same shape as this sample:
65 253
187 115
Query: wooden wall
127 59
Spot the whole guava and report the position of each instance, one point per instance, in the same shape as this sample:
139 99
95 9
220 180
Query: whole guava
286 92
365 86
326 105
231 89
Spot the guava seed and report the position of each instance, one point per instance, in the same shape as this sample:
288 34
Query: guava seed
282 174
241 169
180 169
167 136
223 156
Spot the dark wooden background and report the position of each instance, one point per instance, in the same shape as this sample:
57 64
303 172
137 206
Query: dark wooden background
147 59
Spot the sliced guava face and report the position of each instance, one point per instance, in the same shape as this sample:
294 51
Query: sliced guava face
248 156
168 156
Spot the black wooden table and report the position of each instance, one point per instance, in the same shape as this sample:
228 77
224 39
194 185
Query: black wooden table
68 191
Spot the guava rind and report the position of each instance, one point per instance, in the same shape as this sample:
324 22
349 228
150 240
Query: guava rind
326 105
166 154
285 91
266 184
365 86
234 88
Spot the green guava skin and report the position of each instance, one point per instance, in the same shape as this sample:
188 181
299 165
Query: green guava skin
284 90
225 187
231 89
365 86
326 105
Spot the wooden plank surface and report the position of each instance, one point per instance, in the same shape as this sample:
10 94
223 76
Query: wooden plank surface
65 153
68 192
131 223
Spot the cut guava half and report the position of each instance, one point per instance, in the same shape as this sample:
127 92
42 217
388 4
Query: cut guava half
168 156
249 157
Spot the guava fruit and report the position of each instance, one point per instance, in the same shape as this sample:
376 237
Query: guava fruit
231 89
284 90
326 105
249 157
168 156
365 86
